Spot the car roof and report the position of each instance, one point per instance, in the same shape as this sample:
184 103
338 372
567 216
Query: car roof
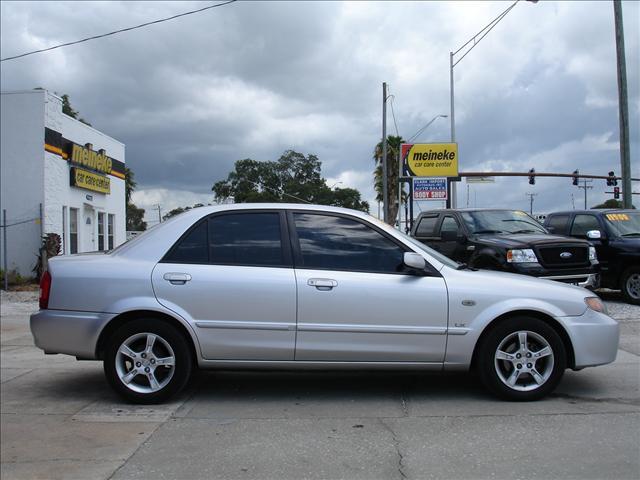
595 210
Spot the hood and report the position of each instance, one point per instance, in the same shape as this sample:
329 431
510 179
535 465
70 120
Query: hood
527 240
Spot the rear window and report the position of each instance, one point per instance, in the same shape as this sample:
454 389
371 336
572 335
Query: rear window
558 223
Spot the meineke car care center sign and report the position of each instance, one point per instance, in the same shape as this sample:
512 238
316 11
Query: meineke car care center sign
430 159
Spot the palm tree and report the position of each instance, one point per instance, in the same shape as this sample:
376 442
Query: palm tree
129 184
393 156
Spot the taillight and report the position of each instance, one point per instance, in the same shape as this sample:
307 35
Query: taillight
45 288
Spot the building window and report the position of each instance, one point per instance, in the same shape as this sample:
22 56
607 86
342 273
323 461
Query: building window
110 230
101 231
73 230
65 248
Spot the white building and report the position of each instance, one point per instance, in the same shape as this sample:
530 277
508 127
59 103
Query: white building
58 175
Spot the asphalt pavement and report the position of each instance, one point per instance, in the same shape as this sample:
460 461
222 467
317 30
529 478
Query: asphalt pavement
59 419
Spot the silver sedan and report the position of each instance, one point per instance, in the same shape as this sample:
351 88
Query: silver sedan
280 286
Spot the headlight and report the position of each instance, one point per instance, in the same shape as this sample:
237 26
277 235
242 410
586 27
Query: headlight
521 256
595 304
592 254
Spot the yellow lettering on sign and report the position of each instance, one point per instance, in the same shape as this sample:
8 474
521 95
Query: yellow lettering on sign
90 181
433 159
89 158
618 217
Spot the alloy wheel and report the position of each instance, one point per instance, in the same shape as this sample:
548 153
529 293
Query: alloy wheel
524 361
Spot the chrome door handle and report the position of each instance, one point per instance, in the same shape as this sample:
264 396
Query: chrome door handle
322 283
177 278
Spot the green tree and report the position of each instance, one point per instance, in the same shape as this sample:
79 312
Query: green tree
611 203
135 218
67 109
393 157
130 183
179 210
293 178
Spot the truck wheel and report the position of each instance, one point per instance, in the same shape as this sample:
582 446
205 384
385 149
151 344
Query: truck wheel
630 285
522 359
147 361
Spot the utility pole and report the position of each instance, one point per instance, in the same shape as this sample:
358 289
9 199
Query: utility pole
625 158
159 214
385 178
585 187
531 195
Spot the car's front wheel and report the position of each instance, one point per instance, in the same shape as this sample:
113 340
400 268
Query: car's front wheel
521 359
630 285
147 361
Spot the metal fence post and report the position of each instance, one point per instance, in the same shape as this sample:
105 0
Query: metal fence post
4 249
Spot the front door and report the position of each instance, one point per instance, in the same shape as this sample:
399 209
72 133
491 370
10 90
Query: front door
356 302
231 277
88 229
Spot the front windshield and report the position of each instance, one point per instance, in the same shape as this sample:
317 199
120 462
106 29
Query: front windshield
624 224
501 221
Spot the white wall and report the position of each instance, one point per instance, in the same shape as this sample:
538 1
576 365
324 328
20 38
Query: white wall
59 193
21 175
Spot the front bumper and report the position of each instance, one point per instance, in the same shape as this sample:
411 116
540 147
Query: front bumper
68 332
594 336
590 281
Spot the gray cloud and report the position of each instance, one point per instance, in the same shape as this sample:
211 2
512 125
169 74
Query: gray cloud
253 79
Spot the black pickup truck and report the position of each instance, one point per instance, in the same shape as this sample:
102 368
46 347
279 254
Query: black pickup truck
616 236
507 240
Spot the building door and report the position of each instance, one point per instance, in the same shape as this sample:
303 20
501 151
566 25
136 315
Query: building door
88 229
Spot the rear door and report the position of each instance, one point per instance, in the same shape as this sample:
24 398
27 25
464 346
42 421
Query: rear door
356 302
232 278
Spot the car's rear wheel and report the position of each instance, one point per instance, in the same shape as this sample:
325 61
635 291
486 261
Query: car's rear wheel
630 285
521 359
147 361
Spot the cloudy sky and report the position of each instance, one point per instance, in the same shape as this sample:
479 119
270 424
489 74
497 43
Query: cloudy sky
252 79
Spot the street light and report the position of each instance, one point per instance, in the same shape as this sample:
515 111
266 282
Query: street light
415 135
400 160
473 41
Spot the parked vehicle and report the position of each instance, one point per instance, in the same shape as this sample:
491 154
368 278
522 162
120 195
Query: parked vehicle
508 241
279 286
615 235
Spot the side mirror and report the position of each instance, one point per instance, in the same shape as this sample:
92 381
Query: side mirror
594 234
551 229
414 261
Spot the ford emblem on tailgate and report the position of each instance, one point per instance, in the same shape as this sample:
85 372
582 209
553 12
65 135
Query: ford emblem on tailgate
566 255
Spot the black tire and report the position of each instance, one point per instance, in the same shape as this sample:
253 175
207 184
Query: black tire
534 377
629 284
168 343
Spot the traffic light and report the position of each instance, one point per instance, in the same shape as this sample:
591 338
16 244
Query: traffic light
575 176
532 178
612 180
616 192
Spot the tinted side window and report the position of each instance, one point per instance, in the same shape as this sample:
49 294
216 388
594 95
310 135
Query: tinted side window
583 223
449 224
558 223
426 226
192 248
246 239
338 243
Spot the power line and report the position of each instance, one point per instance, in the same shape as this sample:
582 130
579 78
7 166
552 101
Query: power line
119 31
393 114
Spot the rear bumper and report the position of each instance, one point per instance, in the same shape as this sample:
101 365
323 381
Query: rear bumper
68 332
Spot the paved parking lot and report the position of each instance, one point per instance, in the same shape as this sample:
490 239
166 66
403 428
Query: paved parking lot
60 420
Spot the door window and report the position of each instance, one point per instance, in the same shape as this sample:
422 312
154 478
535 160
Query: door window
249 239
73 230
339 243
427 226
100 231
246 239
449 224
582 224
558 223
110 233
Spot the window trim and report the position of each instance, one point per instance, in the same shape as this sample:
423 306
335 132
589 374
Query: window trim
430 271
285 244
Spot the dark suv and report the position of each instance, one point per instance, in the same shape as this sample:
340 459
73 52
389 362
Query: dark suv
616 236
507 240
